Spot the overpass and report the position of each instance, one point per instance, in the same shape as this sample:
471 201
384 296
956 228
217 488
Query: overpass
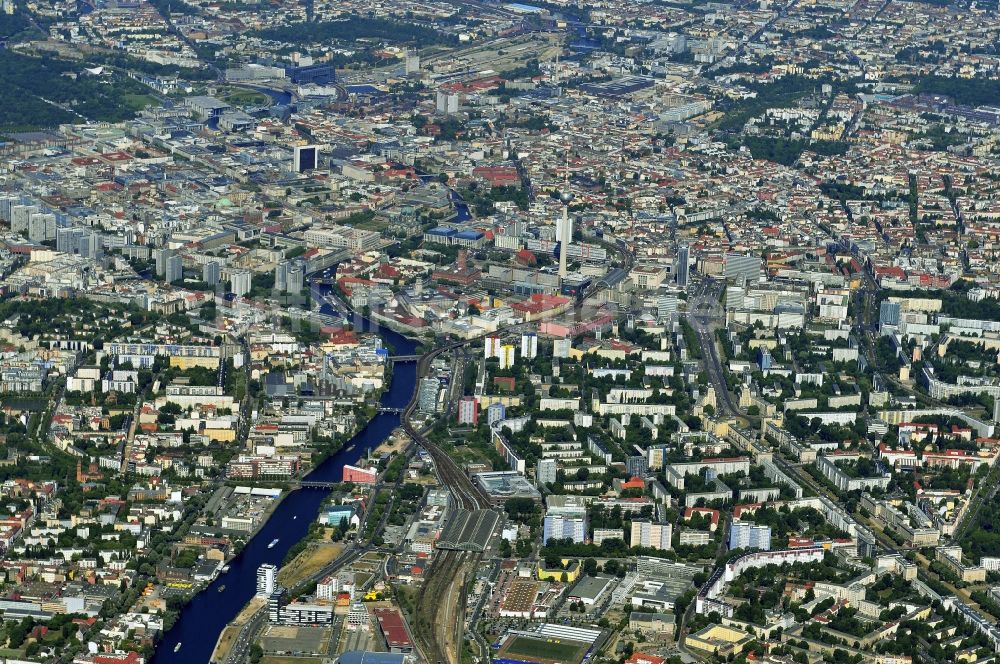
324 262
404 358
316 484
325 281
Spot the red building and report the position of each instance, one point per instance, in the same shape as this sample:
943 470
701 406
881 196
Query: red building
498 176
394 631
539 305
360 475
116 658
468 411
643 658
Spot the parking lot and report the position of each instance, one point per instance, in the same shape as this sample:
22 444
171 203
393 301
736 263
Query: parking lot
291 639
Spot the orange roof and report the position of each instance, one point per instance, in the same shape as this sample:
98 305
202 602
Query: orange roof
634 483
644 658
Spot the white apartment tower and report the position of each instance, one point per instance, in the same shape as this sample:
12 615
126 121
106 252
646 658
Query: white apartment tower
267 580
492 348
529 346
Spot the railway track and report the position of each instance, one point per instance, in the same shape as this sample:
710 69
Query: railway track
439 612
438 619
440 638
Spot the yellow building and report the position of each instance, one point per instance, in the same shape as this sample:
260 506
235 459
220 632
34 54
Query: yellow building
968 655
507 356
221 435
718 640
187 362
893 659
572 571
718 427
213 553
487 400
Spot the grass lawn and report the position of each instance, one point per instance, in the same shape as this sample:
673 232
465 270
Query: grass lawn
374 224
244 97
138 102
560 651
313 559
467 454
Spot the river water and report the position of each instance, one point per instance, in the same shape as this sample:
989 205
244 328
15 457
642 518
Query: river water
204 618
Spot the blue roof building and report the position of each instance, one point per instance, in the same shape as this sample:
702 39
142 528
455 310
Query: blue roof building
368 657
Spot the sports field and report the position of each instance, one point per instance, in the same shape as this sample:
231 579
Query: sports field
546 651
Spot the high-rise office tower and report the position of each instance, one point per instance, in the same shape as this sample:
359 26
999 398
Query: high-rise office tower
174 270
162 256
281 277
91 245
306 158
446 102
19 217
242 282
683 265
67 239
41 227
211 272
412 62
296 277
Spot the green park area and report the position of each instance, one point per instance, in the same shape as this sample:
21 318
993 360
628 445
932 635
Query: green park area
240 96
51 91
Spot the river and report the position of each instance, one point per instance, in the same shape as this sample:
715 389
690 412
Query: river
204 618
462 213
461 207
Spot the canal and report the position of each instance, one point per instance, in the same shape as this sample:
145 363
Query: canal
204 618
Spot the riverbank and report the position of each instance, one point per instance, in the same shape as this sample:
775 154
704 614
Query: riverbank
318 554
211 610
333 449
264 518
397 442
229 635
